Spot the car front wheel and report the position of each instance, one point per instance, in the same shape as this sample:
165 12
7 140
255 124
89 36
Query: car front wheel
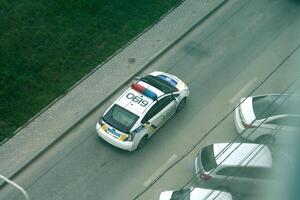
143 142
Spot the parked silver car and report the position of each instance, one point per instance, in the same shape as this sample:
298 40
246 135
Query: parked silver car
235 167
195 194
268 118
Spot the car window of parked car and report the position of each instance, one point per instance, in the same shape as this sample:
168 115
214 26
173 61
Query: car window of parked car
272 105
227 171
246 172
183 194
208 159
287 121
255 172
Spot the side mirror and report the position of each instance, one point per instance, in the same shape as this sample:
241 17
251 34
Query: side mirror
175 98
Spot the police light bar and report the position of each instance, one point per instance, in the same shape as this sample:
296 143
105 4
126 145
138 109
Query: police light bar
145 91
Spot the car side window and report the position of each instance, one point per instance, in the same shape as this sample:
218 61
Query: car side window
227 171
287 121
246 172
157 107
255 172
235 171
165 101
153 111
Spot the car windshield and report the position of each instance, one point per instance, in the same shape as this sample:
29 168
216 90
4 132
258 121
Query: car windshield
183 194
120 118
159 83
270 105
208 158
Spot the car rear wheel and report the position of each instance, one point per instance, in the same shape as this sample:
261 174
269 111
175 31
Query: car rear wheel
181 104
265 139
143 142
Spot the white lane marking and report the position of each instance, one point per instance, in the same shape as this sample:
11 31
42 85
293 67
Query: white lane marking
242 91
160 170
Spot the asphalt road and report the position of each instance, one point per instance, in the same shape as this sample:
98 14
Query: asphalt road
245 47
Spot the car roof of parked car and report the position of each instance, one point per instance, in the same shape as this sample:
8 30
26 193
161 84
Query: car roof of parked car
243 154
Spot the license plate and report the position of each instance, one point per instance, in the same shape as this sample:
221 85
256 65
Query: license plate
114 132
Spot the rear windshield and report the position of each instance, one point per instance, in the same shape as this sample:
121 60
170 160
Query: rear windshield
120 118
266 106
208 158
159 83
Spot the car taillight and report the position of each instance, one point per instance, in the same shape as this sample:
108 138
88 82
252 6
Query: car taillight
205 176
101 122
247 125
244 123
130 137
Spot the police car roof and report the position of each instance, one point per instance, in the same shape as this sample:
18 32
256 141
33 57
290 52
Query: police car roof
137 102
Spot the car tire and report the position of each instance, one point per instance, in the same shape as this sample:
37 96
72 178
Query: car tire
265 139
181 104
143 142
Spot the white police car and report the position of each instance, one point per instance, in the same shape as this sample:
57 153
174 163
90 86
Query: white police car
150 101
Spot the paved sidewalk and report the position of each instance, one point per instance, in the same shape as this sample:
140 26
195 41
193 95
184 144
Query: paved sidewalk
53 122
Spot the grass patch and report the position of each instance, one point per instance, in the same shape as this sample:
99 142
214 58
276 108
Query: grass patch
47 46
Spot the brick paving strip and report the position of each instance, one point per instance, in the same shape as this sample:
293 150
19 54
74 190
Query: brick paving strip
54 121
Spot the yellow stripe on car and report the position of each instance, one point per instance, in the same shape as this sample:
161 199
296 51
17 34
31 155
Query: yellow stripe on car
149 127
122 137
104 127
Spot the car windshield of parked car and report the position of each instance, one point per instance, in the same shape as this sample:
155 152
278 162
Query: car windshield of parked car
271 105
208 159
183 194
120 118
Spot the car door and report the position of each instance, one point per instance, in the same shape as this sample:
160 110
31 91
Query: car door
150 121
159 113
245 179
264 127
168 106
222 177
287 129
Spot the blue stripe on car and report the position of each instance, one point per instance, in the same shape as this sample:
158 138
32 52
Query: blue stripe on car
168 79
